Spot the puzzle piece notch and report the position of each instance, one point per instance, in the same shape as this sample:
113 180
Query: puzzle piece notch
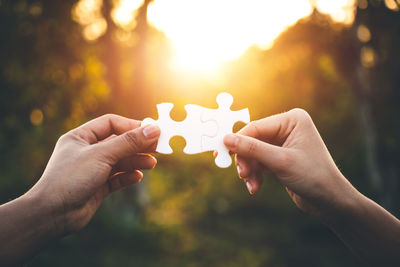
225 118
199 134
192 129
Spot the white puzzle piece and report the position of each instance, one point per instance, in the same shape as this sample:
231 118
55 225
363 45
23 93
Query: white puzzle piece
203 129
192 128
225 119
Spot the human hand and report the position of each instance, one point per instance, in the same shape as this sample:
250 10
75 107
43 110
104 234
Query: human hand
289 145
90 162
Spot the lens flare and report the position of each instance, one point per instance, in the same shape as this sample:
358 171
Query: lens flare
208 32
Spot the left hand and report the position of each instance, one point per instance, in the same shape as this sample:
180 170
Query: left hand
90 162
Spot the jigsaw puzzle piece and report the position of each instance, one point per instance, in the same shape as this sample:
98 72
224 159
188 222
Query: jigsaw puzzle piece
225 118
193 129
203 129
223 159
164 122
224 113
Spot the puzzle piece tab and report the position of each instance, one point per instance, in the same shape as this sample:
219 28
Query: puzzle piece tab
203 128
192 128
225 119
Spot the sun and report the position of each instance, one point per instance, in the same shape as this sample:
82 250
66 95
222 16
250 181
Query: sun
206 33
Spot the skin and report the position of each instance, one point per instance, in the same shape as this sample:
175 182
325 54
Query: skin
290 146
88 163
106 154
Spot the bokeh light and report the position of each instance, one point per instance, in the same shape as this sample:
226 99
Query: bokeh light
95 29
392 4
368 57
36 117
362 4
340 10
207 33
35 9
88 14
363 33
124 13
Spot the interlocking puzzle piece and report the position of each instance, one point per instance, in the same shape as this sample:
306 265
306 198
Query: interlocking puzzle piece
203 128
225 119
192 128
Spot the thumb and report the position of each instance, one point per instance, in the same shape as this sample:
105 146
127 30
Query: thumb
131 142
273 157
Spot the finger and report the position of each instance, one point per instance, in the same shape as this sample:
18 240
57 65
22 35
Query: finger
125 145
273 128
253 182
151 149
249 181
108 138
117 182
243 166
104 126
267 154
124 179
136 162
246 165
290 192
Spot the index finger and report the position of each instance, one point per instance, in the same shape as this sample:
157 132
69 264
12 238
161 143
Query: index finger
269 129
104 126
273 128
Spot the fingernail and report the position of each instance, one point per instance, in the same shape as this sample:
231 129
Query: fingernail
249 187
239 170
231 140
140 177
151 131
154 163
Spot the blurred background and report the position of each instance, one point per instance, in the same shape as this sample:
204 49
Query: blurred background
65 62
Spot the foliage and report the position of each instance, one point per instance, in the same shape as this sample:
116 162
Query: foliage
187 212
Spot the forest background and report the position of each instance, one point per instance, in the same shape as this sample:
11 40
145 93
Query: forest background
65 62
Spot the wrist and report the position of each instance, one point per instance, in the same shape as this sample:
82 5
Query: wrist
48 212
28 224
342 203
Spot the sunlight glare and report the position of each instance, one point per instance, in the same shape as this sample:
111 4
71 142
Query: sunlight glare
209 32
124 12
86 11
342 11
88 14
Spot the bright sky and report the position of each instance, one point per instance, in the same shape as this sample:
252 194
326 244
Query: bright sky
206 33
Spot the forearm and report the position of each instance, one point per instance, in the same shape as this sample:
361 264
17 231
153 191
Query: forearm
368 230
26 225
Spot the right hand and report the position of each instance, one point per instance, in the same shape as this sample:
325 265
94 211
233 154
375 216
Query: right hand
289 145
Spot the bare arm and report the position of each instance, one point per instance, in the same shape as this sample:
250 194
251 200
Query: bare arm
289 145
368 230
88 163
26 225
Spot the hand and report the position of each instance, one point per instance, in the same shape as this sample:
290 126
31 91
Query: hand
289 145
90 162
